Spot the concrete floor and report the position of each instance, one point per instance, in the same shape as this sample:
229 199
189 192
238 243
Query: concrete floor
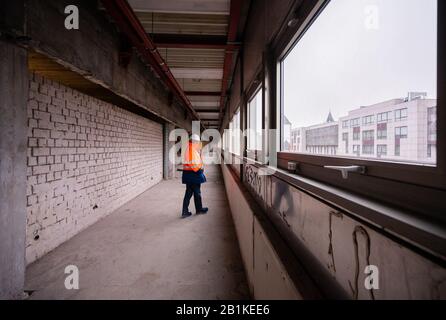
145 251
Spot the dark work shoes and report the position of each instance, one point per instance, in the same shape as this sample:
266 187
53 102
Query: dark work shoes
203 211
186 215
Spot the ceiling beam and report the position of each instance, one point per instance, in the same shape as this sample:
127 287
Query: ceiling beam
193 41
207 110
203 93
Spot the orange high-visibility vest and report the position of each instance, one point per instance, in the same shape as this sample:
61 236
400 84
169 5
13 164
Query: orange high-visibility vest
192 158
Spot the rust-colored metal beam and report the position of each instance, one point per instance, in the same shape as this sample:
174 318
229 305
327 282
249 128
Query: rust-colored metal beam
234 20
130 26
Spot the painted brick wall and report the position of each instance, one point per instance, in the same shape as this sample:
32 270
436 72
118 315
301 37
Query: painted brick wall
86 158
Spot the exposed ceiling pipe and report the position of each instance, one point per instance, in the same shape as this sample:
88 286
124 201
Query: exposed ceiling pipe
234 19
129 24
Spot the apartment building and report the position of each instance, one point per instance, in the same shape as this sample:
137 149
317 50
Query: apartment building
399 129
396 130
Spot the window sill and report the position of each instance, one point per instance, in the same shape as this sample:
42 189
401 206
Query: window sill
422 235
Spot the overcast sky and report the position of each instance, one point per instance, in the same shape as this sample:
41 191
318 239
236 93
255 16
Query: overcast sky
340 64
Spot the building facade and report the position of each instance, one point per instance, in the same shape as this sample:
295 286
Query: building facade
396 130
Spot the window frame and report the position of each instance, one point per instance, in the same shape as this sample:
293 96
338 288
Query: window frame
379 150
387 118
382 134
401 118
382 176
254 153
236 125
400 130
366 122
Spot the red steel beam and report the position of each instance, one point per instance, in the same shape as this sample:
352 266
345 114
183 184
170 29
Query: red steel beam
128 23
235 13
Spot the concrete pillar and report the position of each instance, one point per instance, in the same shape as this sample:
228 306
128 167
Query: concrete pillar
169 167
13 152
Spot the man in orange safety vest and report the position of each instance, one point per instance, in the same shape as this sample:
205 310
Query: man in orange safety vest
193 176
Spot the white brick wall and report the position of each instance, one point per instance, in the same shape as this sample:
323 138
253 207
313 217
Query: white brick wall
86 158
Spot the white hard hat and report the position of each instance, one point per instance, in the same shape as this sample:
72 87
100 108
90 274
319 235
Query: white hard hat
195 137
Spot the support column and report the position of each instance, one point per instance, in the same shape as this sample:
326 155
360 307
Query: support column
13 152
169 167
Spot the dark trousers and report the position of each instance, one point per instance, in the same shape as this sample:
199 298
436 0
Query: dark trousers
192 190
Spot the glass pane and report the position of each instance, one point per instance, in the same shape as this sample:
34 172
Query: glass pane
362 82
236 133
231 142
255 122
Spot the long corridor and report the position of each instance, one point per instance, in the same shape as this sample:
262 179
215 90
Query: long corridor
326 118
145 251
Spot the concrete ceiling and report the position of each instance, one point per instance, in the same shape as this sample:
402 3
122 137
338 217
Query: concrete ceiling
191 36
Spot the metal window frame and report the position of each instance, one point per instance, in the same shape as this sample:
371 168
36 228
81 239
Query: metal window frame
395 183
252 94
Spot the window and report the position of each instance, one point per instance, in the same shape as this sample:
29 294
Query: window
236 133
384 117
372 64
368 120
345 139
231 136
356 134
255 122
368 142
324 139
381 150
338 72
432 133
382 131
368 150
368 135
401 133
225 141
432 125
354 123
401 114
431 151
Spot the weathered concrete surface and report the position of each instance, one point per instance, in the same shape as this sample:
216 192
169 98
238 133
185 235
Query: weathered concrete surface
145 251
168 146
93 52
13 133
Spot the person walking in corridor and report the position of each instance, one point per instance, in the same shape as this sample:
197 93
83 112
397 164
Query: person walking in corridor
193 176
